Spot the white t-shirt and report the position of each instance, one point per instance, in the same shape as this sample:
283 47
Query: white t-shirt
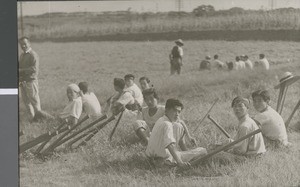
125 98
73 108
180 50
136 93
272 125
250 146
264 64
218 63
150 120
91 105
161 137
249 64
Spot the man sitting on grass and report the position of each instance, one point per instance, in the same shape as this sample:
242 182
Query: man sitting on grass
73 110
166 135
205 64
133 89
272 124
149 115
122 99
254 145
90 102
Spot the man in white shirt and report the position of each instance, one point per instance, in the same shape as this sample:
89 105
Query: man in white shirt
166 135
121 99
90 102
263 63
272 124
217 63
248 62
133 89
239 64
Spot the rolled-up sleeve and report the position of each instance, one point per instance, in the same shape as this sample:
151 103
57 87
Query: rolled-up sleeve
168 135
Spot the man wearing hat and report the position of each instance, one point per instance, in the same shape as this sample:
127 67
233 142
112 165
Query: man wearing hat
176 57
205 64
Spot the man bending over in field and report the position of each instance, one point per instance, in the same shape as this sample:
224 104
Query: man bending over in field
150 114
90 102
73 110
272 124
167 137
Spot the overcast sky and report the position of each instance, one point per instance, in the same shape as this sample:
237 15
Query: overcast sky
35 8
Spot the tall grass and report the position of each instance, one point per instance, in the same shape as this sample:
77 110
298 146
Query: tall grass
92 25
121 163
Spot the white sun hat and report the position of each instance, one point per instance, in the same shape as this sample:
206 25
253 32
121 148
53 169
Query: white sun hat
287 79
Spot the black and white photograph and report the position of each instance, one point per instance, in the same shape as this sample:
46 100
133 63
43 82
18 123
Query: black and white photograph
159 93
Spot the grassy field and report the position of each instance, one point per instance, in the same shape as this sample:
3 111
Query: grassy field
80 25
119 162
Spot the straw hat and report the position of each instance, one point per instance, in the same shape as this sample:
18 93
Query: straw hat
287 79
179 41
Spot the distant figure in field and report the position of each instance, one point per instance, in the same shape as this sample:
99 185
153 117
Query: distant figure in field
90 102
166 139
133 89
176 57
217 63
205 64
145 83
230 65
272 124
239 64
28 78
262 63
73 109
248 62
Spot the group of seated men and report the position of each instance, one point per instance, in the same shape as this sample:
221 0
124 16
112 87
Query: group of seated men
161 129
241 62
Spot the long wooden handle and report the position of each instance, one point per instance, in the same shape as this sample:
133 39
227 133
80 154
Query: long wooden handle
93 132
219 126
114 129
61 141
206 114
202 158
292 114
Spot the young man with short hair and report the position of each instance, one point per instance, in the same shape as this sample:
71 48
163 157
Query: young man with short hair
90 102
133 89
254 145
121 99
166 135
272 124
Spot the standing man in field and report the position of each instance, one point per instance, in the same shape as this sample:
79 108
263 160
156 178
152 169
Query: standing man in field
176 57
28 80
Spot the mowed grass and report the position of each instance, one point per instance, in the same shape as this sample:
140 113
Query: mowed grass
116 163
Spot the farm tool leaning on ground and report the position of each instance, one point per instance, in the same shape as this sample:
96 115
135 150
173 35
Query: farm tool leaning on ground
286 80
249 141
